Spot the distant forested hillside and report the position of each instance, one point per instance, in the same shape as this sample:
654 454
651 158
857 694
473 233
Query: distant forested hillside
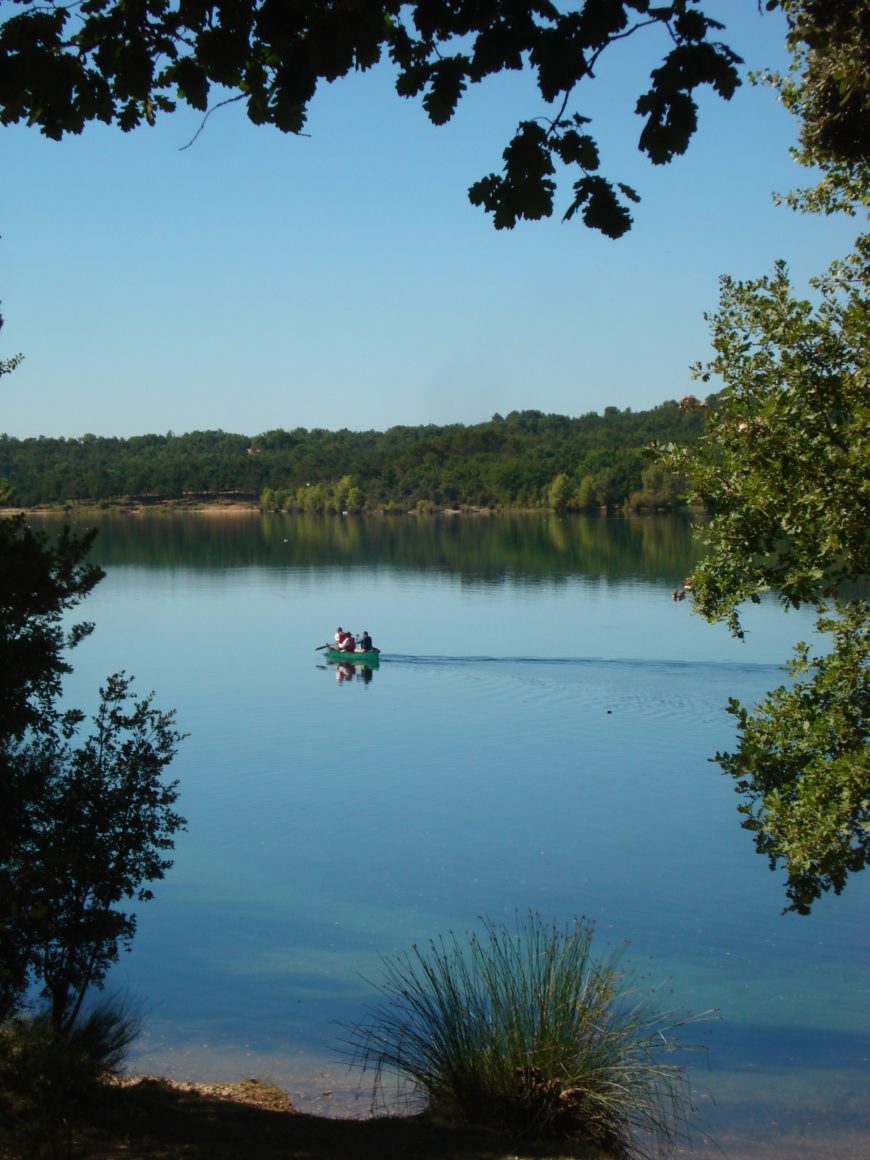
525 460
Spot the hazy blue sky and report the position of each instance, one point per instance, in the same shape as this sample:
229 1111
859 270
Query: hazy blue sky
343 279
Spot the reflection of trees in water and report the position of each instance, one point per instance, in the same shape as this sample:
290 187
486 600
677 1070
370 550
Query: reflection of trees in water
544 548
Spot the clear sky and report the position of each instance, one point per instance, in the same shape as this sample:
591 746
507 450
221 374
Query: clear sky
342 279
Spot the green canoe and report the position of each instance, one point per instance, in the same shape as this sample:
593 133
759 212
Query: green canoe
354 658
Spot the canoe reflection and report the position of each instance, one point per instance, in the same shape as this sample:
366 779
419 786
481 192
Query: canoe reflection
348 671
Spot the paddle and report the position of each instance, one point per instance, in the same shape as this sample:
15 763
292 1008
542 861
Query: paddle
320 647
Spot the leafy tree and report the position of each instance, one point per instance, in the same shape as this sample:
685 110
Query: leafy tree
341 491
39 582
659 489
783 466
587 493
607 487
828 86
803 764
355 499
783 462
828 90
80 827
100 824
560 493
64 66
7 366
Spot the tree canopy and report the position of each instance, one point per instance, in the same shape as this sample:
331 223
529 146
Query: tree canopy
783 460
100 824
507 462
783 465
64 66
802 766
38 582
828 88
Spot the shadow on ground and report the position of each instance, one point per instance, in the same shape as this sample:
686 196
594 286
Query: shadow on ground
151 1119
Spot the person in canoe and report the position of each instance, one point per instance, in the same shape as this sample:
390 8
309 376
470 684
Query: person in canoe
365 642
344 641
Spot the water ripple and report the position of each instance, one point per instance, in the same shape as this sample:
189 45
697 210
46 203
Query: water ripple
587 662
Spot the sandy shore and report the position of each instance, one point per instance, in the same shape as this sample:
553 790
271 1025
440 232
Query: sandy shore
230 508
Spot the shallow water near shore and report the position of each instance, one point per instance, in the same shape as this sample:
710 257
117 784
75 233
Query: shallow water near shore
537 734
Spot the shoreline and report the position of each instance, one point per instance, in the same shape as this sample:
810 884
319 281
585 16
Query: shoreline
147 1117
213 507
222 1120
237 507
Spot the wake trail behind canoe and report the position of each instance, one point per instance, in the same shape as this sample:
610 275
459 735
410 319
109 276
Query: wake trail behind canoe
581 663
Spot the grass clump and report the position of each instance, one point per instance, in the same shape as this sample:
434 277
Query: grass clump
524 1027
50 1079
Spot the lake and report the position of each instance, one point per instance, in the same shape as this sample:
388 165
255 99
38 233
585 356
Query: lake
537 734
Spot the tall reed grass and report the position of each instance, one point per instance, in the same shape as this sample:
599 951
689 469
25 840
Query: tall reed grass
525 1027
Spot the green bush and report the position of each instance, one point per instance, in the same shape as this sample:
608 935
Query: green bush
49 1079
524 1027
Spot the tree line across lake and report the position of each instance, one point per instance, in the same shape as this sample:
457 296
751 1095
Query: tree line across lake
525 460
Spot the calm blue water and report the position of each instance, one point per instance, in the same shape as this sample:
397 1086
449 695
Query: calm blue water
526 742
